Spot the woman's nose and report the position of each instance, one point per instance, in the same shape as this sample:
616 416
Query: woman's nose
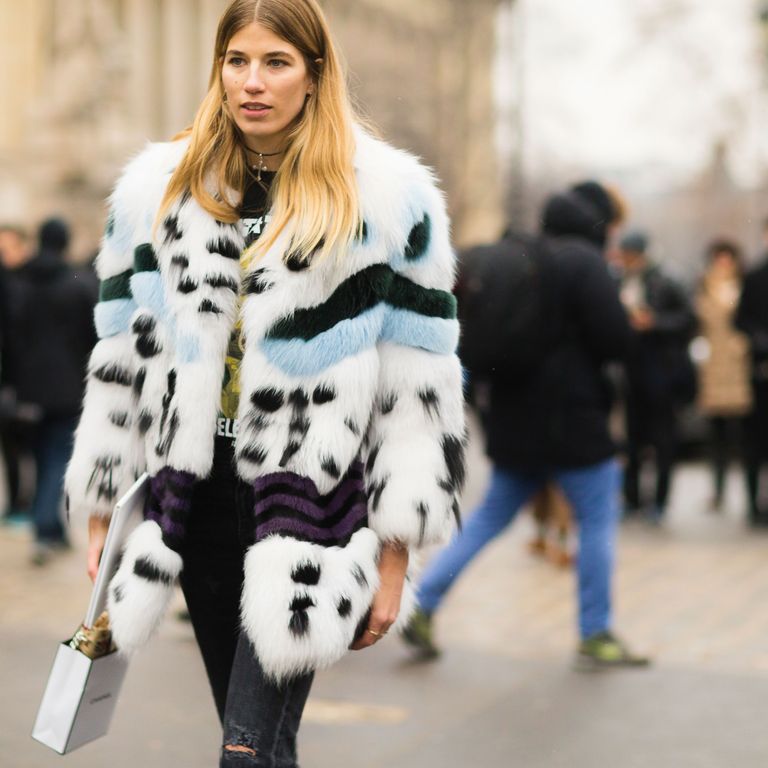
254 83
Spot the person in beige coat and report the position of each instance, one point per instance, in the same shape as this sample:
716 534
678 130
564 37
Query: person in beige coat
725 396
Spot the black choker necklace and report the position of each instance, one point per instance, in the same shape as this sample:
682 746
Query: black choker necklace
261 165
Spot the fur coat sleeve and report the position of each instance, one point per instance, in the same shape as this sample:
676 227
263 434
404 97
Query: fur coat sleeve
415 462
109 454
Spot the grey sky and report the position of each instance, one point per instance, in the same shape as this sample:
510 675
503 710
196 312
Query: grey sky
639 88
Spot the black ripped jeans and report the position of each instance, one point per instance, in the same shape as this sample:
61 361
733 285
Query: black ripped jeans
255 713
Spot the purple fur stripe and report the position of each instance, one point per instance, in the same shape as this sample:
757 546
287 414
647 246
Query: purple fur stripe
169 502
288 504
340 497
167 525
289 526
175 481
304 484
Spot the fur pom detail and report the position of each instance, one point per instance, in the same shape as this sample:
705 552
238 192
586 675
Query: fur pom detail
302 603
140 591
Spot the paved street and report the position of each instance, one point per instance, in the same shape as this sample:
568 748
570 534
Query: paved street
693 592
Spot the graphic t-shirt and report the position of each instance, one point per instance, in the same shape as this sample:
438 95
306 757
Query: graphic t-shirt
253 218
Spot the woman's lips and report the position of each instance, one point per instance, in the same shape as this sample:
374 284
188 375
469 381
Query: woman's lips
254 110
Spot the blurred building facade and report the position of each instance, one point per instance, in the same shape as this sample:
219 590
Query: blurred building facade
84 83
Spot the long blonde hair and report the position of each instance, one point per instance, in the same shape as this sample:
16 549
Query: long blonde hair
314 194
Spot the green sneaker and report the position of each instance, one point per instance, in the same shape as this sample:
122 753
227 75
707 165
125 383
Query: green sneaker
605 651
418 634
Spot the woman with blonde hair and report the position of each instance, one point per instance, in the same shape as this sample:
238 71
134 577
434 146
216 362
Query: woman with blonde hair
277 339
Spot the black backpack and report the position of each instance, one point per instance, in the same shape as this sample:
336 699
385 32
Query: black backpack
503 307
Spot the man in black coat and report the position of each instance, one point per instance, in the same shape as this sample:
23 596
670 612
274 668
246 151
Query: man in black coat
551 423
48 342
752 319
660 374
15 252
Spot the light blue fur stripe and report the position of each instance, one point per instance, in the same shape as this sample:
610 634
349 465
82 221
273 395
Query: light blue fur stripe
411 329
187 348
148 291
113 317
121 236
297 357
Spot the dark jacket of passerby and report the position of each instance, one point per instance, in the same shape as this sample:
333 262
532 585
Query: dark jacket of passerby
752 318
51 331
4 319
659 368
558 415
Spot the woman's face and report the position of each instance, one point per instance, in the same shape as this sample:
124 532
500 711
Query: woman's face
266 83
724 265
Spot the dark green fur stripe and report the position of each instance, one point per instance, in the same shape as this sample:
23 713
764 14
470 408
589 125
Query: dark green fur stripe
404 294
360 292
355 295
144 259
117 287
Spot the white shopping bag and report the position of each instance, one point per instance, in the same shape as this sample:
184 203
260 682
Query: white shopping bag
81 693
79 699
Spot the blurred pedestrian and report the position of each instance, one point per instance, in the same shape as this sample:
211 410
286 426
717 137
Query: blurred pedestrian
15 247
752 320
724 394
15 252
660 377
548 418
277 337
50 336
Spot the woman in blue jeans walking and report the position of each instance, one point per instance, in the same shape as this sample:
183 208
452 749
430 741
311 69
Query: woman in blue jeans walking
550 423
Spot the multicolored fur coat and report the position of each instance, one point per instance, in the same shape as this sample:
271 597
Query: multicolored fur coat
347 360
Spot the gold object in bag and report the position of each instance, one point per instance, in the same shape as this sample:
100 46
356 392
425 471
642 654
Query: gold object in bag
96 641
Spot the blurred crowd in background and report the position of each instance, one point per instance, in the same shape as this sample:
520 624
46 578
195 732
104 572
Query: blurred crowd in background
689 384
47 333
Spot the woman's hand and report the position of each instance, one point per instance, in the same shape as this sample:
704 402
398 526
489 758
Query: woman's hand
97 534
393 563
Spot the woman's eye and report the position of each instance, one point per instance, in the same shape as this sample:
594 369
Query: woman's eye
276 63
236 61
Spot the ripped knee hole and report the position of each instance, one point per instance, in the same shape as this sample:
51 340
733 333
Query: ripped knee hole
239 748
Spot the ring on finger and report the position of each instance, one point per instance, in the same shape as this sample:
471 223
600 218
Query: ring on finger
375 633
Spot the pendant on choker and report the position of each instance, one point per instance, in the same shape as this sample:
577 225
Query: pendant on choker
261 166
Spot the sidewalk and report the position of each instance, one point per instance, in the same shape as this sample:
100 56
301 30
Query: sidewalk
694 593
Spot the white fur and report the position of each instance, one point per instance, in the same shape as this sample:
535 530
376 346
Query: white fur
133 203
155 384
198 382
269 590
354 382
97 437
410 457
136 616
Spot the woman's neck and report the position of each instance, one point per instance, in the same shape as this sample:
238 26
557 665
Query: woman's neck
265 157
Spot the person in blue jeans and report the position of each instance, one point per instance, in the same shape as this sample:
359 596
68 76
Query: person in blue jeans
52 448
50 334
549 423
